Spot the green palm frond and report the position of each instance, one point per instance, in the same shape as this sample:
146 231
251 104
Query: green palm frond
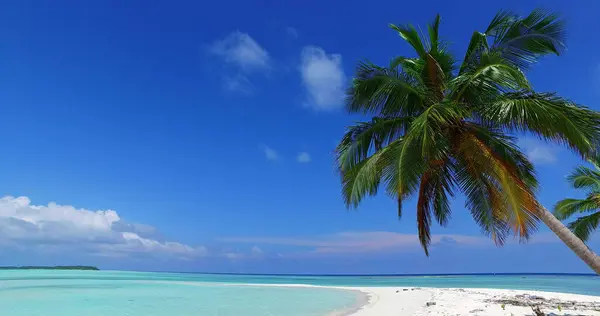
501 22
410 35
477 46
404 166
588 179
585 178
428 128
546 115
434 77
363 138
425 199
384 91
491 75
442 182
594 159
433 198
411 67
522 40
567 207
505 149
484 199
584 226
445 60
362 179
434 34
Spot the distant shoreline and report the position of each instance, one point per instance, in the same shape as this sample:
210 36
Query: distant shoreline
88 268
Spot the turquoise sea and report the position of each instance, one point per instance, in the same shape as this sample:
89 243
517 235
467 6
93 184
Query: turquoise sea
95 293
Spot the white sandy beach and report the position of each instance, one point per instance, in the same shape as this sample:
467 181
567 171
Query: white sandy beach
419 301
395 301
413 301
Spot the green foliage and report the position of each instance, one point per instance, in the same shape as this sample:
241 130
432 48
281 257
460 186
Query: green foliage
587 179
439 127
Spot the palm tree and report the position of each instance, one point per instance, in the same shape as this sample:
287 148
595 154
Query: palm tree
438 127
588 179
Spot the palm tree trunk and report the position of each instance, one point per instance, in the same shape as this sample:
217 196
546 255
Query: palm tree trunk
576 244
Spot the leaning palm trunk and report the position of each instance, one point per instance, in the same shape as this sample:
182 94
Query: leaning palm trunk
576 244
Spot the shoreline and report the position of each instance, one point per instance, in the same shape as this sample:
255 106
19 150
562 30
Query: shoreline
433 301
415 301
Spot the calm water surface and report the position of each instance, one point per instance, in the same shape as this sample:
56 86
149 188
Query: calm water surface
94 293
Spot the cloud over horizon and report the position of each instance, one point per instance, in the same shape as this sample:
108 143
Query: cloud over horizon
360 242
64 228
376 241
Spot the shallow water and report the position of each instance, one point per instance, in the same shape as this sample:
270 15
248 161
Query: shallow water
94 293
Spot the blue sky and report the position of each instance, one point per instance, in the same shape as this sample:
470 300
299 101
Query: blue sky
198 137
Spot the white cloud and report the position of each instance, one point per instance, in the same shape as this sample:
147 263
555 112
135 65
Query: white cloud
244 56
64 228
292 32
541 154
238 83
270 153
538 151
241 50
323 78
234 255
303 157
256 251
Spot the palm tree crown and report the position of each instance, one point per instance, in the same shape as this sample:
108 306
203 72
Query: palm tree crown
587 179
439 127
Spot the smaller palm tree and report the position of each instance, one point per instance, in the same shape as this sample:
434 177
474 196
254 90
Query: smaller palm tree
587 179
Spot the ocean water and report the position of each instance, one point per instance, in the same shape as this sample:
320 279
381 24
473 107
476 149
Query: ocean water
95 293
